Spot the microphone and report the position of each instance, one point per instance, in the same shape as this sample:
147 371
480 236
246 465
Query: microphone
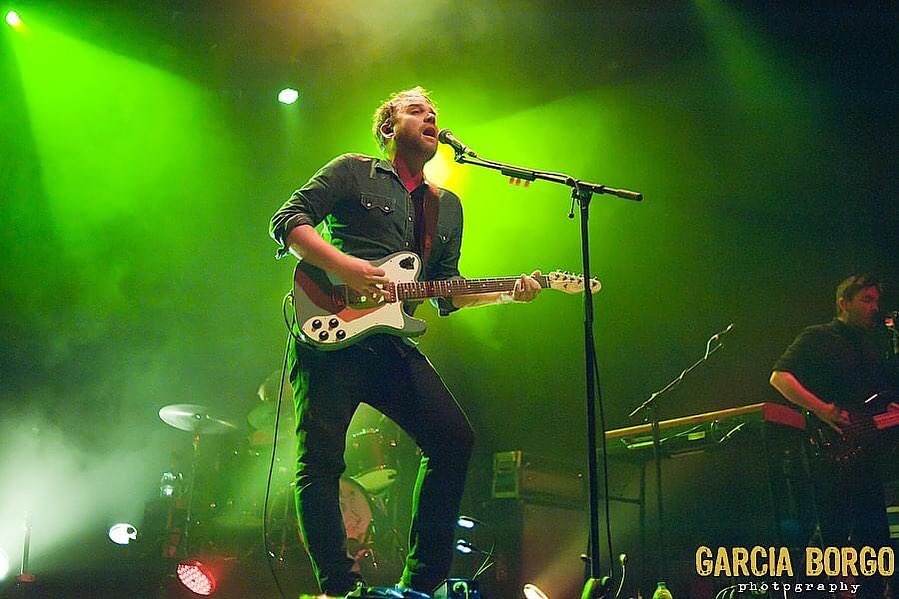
889 322
446 137
717 336
890 319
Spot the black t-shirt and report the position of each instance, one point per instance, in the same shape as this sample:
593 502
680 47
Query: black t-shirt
841 363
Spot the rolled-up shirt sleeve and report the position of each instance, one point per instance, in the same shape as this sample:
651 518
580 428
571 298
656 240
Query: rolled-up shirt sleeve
310 204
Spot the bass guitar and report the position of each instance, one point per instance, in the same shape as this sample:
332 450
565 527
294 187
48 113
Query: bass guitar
869 429
332 315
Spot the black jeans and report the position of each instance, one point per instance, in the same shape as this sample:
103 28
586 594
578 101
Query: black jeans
399 381
852 513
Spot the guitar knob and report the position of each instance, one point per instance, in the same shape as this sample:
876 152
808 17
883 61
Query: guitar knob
333 323
323 336
316 324
341 335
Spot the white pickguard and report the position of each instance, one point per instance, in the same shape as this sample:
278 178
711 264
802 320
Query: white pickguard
349 322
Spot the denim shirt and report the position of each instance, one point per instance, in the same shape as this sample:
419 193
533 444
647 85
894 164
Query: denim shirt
370 215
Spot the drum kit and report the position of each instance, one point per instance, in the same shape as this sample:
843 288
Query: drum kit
225 488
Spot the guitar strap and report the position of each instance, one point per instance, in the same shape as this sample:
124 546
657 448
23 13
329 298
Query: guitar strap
430 212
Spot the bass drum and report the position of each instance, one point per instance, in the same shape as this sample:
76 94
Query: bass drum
371 456
356 507
372 540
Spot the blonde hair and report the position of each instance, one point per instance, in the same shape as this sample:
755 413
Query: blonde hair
387 111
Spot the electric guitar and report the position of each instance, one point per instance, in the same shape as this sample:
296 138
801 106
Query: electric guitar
332 315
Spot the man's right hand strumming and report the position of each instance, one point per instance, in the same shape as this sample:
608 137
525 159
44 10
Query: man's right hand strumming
361 275
834 416
790 387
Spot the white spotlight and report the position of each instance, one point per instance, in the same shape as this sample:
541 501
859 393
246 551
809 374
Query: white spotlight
288 96
4 564
122 533
532 591
13 19
463 546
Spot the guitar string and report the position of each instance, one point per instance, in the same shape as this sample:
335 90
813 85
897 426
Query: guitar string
425 289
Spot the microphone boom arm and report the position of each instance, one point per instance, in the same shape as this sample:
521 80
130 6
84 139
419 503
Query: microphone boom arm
527 174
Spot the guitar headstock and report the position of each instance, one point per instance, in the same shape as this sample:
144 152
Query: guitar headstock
570 283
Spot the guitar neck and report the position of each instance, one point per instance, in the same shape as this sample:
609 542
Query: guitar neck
417 290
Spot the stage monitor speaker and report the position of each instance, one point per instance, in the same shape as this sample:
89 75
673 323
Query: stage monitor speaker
536 543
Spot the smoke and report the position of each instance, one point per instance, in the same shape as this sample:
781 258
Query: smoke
66 490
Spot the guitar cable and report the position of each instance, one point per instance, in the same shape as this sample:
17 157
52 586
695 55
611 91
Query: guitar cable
269 555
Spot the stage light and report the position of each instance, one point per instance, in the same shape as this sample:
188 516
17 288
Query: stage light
532 591
170 484
467 522
13 19
4 564
196 577
288 96
463 546
122 533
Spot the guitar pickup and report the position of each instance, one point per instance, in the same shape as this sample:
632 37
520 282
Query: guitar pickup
339 295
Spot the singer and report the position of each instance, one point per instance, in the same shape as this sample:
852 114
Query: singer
374 207
833 370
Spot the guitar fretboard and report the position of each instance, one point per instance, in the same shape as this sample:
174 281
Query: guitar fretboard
426 289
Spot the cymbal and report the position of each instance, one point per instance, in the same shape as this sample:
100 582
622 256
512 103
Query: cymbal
195 419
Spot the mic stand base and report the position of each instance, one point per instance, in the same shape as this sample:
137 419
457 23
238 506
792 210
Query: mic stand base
596 588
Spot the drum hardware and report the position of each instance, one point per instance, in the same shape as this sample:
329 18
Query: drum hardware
231 508
371 457
195 419
262 416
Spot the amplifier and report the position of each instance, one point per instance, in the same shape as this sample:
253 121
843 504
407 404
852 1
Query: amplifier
519 475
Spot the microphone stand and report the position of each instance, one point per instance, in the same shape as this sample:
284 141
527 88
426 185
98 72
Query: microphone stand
582 192
652 416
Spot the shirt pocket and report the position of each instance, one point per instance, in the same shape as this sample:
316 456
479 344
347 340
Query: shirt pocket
444 233
441 240
371 202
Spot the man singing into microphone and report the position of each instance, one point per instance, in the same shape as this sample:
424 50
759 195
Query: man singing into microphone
374 207
830 370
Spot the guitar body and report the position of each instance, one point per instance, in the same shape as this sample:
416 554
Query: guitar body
332 316
868 432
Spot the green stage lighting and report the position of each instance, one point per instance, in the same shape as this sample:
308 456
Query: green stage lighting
13 19
288 95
